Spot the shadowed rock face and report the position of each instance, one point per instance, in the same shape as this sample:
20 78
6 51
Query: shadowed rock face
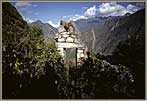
109 31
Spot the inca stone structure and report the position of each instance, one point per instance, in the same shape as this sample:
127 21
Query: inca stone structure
68 43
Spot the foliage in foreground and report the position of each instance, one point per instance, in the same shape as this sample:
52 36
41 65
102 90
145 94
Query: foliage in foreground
29 65
33 68
98 79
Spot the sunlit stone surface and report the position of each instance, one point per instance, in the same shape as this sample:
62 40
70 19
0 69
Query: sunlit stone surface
67 38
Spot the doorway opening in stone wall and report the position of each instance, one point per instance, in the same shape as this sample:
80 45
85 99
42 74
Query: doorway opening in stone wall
70 57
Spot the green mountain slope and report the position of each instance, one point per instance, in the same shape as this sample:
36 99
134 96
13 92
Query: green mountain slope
28 63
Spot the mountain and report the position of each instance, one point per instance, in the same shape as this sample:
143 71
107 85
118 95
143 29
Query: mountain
13 27
120 40
24 56
12 17
12 22
103 34
48 30
131 52
21 44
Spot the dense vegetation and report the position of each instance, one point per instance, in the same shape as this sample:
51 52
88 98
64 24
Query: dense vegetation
29 63
131 52
98 79
33 68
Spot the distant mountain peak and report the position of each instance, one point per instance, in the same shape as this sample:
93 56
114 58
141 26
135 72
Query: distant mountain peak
48 30
109 31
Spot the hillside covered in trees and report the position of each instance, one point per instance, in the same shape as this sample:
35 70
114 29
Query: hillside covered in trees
33 68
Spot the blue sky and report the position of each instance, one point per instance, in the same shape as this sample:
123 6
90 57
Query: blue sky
53 12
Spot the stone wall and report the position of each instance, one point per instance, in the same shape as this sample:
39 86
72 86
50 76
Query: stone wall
67 38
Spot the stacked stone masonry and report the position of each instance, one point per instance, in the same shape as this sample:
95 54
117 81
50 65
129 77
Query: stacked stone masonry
67 37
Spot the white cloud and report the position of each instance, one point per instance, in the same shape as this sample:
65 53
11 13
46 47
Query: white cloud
67 16
21 4
106 9
77 17
28 20
132 8
35 5
84 8
111 9
90 11
74 17
54 25
25 7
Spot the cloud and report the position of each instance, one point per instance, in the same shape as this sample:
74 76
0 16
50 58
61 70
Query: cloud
21 4
84 8
74 17
25 7
77 17
105 10
111 9
54 25
35 5
67 16
90 11
28 20
132 8
36 13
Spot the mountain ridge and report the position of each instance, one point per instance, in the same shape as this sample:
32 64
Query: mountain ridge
48 30
108 31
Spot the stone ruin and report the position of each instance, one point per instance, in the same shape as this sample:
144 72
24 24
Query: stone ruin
68 43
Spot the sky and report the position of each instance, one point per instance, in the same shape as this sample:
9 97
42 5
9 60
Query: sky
53 12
